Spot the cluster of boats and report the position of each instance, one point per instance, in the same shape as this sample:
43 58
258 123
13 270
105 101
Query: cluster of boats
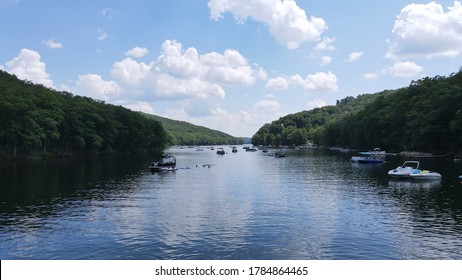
409 169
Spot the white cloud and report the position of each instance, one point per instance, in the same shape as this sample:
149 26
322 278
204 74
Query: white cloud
139 106
136 52
326 44
427 30
243 123
315 103
319 81
355 56
108 13
52 44
403 69
131 72
92 85
102 35
326 60
185 74
370 76
278 83
286 21
27 66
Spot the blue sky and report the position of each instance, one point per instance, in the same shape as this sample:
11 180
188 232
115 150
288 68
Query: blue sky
231 65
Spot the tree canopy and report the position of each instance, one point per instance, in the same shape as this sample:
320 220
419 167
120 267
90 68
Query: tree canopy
184 133
426 116
35 118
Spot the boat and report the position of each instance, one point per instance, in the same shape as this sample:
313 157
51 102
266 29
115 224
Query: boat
220 151
425 175
378 152
280 153
264 150
234 150
405 170
367 157
251 149
166 163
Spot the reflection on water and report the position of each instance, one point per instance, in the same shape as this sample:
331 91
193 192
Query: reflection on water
309 205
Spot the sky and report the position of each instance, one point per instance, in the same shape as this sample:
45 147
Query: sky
230 65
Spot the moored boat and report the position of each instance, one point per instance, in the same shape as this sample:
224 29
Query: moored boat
367 157
280 153
425 175
220 151
166 163
405 170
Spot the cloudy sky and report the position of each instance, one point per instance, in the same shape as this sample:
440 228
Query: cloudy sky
231 65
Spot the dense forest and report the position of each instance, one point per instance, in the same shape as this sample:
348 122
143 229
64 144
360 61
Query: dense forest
184 133
39 121
426 116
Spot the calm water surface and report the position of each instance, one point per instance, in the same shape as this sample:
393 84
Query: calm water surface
311 204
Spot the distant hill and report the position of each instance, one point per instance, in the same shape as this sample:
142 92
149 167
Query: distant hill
426 116
184 133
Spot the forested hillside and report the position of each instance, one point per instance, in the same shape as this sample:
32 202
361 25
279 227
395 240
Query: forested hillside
184 133
35 120
426 116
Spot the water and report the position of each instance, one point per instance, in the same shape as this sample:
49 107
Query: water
311 204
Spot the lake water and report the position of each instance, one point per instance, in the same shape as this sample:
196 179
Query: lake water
312 204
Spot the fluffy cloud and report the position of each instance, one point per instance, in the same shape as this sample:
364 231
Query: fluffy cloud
94 86
355 56
52 44
398 69
326 44
278 83
137 52
326 60
27 66
319 81
427 30
286 21
185 73
315 103
243 123
403 69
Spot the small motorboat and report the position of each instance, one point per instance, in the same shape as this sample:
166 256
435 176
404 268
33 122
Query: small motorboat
425 175
405 170
367 157
251 149
220 151
369 160
166 163
234 150
280 153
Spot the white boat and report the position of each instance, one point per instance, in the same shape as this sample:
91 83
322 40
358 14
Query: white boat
167 163
367 157
405 170
220 151
425 175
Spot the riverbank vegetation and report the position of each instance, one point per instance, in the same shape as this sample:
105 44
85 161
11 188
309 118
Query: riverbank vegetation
426 116
39 121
